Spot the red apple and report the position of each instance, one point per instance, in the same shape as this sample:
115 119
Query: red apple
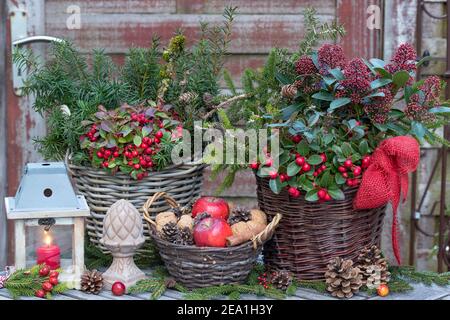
215 207
212 232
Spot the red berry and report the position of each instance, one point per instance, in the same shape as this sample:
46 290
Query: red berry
116 154
316 173
130 163
345 175
53 280
53 274
93 139
323 167
342 169
300 161
134 153
149 164
349 182
149 141
47 286
159 134
140 176
44 271
157 140
357 171
324 157
294 192
273 175
118 288
322 193
148 151
134 117
99 154
40 293
137 166
143 163
327 197
254 165
284 177
143 146
306 167
107 154
348 163
269 162
127 154
296 138
365 162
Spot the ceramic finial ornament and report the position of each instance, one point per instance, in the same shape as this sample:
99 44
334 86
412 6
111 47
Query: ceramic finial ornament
122 235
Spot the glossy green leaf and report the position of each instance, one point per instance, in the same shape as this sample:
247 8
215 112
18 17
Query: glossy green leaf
338 103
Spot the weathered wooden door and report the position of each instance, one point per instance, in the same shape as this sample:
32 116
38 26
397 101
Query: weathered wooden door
118 24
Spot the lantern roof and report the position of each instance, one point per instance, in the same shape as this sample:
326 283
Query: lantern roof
45 190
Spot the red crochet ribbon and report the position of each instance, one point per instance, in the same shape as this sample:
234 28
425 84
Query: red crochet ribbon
386 178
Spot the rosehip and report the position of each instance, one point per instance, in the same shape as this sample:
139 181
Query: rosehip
306 167
342 169
322 193
159 134
53 281
273 175
300 161
254 165
40 293
348 163
47 286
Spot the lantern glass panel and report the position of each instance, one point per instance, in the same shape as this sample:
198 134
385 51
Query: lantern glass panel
53 247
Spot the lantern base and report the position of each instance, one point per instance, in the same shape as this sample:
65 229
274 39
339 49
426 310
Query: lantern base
122 269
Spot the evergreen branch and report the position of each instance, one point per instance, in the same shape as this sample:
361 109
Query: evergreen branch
225 104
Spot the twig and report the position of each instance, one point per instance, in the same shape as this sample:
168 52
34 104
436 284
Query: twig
225 103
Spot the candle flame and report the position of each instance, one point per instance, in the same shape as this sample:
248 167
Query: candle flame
47 238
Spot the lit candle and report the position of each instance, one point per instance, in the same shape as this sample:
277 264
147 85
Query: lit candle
49 253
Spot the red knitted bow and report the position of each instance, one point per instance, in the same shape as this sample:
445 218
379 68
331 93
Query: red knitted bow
386 178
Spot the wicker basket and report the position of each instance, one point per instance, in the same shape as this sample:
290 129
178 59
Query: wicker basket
311 234
102 190
199 267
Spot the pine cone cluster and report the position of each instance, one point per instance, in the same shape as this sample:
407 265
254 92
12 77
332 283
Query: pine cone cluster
239 214
281 279
184 237
289 91
342 278
91 282
172 233
373 266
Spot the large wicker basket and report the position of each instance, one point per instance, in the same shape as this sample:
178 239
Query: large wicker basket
311 234
199 267
101 190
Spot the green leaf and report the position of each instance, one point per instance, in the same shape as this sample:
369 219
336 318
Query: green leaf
312 196
336 194
293 169
146 130
312 120
314 160
377 63
423 60
383 73
323 95
440 110
363 147
338 103
337 73
418 129
326 179
282 78
346 149
400 78
303 148
275 185
376 94
137 140
305 183
378 83
339 179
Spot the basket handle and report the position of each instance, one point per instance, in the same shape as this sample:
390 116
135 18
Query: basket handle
147 205
267 233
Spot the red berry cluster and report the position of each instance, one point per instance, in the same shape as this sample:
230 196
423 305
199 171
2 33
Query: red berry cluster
263 280
51 280
352 172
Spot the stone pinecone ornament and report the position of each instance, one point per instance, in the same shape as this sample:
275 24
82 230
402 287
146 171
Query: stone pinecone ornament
187 97
289 91
281 279
342 278
185 237
91 282
239 214
170 232
370 261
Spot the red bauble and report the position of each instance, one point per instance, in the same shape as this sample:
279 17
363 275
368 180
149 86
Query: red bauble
53 281
44 271
215 207
40 293
383 290
212 232
118 288
47 286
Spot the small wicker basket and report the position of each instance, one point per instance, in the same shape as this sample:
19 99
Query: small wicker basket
199 267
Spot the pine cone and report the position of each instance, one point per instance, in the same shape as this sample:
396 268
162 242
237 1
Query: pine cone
91 282
200 217
185 237
370 258
342 279
170 232
281 279
372 277
177 211
238 215
187 97
170 283
289 91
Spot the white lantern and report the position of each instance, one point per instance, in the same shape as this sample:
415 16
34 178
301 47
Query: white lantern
49 221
